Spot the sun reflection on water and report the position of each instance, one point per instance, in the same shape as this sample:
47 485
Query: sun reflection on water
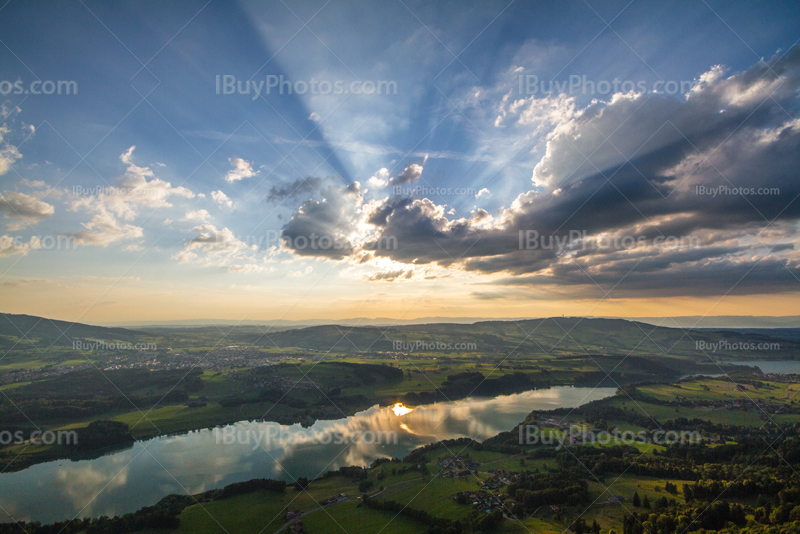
401 409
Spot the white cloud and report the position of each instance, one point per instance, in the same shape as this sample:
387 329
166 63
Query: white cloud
217 247
104 229
25 209
10 245
240 169
222 199
249 268
137 188
484 193
409 174
8 152
197 215
33 184
381 179
298 274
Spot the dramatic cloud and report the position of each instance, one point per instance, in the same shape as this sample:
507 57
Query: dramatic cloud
326 228
620 198
240 169
25 209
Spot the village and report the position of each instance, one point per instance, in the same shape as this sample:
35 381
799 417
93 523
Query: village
457 466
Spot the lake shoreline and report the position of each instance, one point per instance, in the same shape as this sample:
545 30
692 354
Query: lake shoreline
194 457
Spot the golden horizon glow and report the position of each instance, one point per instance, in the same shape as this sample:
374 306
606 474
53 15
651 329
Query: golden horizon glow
129 302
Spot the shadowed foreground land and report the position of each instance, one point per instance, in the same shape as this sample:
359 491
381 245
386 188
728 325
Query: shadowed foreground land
735 476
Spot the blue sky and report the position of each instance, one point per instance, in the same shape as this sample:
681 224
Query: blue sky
201 219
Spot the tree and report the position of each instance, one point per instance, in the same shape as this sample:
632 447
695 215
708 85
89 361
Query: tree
637 502
687 493
595 527
646 503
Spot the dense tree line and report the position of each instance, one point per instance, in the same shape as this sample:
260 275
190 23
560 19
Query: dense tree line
102 434
256 484
460 385
436 524
162 516
88 393
715 517
534 489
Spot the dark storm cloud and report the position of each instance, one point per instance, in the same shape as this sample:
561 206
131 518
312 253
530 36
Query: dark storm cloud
322 228
722 277
650 158
300 188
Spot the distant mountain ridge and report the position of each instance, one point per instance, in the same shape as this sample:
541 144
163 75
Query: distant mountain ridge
723 321
554 336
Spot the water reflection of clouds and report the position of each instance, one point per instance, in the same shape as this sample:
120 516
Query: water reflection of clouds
80 484
477 418
124 482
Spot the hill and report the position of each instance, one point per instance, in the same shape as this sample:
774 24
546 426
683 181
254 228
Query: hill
560 336
43 332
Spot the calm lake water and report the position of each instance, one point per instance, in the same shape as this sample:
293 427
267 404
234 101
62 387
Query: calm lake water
127 480
785 367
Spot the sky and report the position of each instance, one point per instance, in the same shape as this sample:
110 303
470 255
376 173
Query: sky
257 161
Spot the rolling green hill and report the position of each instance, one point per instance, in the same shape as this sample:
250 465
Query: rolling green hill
556 336
42 332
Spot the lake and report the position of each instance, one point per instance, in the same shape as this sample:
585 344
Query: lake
782 367
127 480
